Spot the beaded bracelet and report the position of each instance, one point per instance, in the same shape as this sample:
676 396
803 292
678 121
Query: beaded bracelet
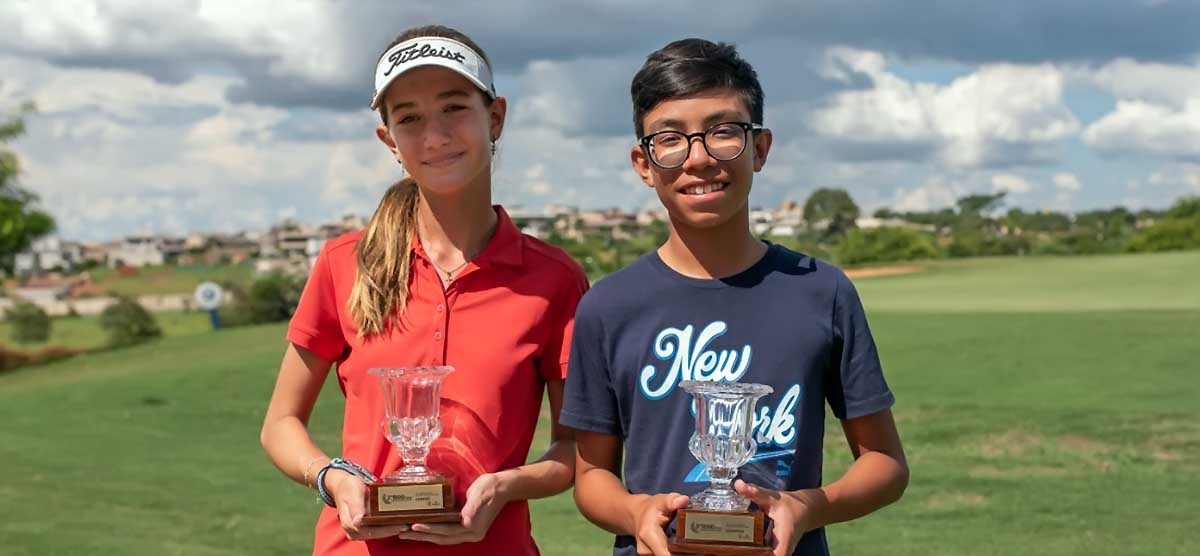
345 465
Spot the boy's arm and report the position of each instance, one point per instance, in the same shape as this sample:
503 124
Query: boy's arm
603 499
877 478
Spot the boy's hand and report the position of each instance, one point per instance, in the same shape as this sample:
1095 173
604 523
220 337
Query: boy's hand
651 516
791 513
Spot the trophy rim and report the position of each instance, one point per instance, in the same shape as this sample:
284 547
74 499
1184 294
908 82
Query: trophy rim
412 371
737 388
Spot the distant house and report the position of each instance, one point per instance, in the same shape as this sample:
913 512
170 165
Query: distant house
610 223
48 254
293 247
536 224
145 250
214 249
785 220
869 222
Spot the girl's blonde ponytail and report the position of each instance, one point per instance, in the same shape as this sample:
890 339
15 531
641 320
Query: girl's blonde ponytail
384 252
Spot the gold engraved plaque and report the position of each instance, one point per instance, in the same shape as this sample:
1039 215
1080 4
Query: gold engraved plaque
717 527
393 498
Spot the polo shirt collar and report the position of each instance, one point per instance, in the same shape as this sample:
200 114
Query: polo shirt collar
505 247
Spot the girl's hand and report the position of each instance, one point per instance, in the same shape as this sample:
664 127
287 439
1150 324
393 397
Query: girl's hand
350 495
483 504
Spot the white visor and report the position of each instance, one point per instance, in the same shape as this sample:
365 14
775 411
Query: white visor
431 51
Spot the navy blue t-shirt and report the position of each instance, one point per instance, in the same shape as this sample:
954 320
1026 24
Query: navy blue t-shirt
790 321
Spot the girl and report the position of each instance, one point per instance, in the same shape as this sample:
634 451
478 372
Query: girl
440 276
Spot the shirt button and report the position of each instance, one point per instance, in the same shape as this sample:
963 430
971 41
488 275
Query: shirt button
437 335
441 307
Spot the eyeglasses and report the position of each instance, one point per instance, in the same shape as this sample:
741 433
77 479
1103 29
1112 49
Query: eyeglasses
724 141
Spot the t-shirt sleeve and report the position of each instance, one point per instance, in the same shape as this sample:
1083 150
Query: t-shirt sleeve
552 361
855 383
589 401
315 325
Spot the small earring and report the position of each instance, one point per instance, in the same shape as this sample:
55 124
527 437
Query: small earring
493 148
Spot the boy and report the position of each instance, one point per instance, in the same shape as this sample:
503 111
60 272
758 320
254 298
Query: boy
715 303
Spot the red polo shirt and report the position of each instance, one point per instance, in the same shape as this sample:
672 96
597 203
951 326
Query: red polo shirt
504 324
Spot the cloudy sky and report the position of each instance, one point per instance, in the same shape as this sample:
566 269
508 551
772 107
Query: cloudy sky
209 115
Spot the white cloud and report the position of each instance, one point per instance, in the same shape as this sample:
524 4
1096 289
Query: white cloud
1126 79
1001 114
1157 112
1011 184
1067 182
1161 187
1138 127
934 194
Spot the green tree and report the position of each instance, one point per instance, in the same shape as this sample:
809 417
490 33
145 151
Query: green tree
20 221
1178 229
979 205
832 210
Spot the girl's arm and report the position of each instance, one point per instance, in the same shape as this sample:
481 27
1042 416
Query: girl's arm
554 471
289 446
284 433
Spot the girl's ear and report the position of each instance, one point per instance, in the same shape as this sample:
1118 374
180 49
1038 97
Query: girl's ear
496 114
381 131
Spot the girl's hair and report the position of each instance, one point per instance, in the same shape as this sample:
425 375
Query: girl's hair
384 251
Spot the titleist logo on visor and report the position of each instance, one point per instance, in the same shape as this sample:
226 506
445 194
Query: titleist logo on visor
418 50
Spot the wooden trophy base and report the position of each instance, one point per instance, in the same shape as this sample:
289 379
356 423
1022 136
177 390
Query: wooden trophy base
719 533
405 503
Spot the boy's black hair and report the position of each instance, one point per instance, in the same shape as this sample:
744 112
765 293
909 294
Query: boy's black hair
689 66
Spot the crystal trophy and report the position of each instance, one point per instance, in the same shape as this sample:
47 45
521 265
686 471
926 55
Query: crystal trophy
414 493
717 520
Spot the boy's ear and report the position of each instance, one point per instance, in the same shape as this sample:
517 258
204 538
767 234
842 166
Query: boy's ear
641 164
762 145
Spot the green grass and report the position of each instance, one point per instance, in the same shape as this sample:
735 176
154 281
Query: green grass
85 332
1028 432
1109 282
170 279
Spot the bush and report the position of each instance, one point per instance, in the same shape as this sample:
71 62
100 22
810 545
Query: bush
237 311
272 298
30 324
1170 234
886 244
128 323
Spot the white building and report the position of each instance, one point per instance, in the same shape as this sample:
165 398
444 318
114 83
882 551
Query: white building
144 250
47 254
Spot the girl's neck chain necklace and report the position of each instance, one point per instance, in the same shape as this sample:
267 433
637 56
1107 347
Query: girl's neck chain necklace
447 275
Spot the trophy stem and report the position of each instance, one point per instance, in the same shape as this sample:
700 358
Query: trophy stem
414 469
720 495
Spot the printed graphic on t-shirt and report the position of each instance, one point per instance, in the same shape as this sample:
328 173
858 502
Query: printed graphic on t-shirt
685 354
